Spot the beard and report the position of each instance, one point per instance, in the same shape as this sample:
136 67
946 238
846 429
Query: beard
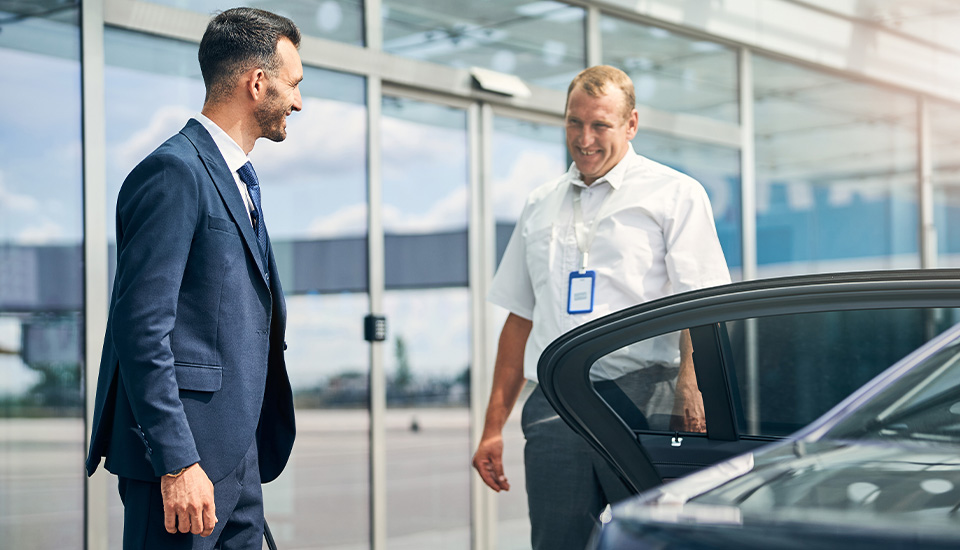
270 116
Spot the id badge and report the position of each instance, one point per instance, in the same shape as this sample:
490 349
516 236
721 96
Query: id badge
580 292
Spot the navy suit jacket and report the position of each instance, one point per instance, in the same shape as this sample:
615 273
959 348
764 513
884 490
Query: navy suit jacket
192 367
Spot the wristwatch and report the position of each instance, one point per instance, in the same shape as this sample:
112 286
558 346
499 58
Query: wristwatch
178 472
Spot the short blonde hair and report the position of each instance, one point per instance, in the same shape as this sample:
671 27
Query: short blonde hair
594 81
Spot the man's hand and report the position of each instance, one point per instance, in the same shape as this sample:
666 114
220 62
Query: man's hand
688 414
188 504
488 461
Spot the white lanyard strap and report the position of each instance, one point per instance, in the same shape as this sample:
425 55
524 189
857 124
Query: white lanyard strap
584 238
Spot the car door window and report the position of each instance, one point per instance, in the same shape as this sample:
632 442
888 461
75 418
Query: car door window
780 372
791 369
639 382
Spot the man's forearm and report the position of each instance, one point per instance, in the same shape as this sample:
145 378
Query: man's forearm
508 377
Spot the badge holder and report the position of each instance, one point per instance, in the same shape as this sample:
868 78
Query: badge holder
580 292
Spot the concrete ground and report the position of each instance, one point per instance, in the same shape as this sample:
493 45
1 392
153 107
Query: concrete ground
321 500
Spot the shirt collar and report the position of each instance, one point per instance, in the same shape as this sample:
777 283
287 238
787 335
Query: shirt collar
614 177
231 151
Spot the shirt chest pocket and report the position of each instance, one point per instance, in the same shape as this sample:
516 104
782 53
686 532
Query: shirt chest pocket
540 252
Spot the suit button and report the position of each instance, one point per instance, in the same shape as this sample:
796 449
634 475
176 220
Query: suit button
284 346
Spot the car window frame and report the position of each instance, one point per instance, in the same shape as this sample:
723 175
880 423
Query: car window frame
564 366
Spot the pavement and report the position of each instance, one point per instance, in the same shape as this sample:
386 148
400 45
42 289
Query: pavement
320 501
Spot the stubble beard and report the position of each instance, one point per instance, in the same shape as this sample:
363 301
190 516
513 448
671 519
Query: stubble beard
270 116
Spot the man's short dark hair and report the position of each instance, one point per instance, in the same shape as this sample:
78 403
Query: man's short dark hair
238 40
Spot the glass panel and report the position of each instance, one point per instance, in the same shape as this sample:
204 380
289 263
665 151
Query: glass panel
340 20
671 72
41 278
525 155
717 168
640 382
787 370
425 189
945 159
318 229
540 41
801 365
836 173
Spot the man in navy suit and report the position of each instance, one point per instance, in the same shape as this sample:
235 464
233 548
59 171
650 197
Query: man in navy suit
194 408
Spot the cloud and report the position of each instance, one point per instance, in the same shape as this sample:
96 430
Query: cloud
325 140
413 147
166 121
449 212
10 201
46 231
350 220
530 170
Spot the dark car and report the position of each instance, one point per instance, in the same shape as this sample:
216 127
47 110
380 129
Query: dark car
876 463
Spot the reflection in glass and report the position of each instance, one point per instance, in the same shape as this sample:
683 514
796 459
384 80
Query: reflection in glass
945 159
806 363
836 180
41 280
640 382
428 306
314 202
671 72
717 168
542 42
340 20
525 156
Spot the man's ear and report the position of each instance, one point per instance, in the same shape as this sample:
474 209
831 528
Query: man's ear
255 83
633 124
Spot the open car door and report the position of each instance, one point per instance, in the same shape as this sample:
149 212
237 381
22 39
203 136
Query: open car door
770 356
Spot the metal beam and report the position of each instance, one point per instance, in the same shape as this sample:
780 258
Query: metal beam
94 248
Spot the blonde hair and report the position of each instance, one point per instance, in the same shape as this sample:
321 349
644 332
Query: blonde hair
594 81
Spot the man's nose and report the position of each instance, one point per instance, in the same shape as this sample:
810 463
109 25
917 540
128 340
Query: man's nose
584 137
297 101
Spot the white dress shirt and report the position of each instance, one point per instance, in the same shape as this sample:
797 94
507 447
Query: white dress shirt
654 237
233 155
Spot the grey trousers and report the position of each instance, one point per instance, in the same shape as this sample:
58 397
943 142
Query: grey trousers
568 483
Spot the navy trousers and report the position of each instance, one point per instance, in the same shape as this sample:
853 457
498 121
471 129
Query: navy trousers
239 500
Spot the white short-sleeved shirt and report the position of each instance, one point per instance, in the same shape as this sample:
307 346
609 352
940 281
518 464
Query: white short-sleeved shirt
655 236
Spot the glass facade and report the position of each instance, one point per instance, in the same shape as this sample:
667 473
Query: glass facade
836 173
425 206
41 280
339 20
671 72
945 165
836 188
717 168
541 42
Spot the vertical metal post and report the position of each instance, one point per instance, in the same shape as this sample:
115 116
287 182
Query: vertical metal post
94 248
373 27
376 278
748 230
594 43
925 198
748 178
481 250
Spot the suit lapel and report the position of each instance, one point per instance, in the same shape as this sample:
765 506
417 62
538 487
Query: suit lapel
226 186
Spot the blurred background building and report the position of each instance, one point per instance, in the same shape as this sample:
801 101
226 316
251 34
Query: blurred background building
825 132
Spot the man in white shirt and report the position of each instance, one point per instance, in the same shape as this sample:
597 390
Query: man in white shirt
615 230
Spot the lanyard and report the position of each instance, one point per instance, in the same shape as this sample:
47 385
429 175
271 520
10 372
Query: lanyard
584 238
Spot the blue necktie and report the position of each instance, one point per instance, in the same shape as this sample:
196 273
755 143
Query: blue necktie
249 177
